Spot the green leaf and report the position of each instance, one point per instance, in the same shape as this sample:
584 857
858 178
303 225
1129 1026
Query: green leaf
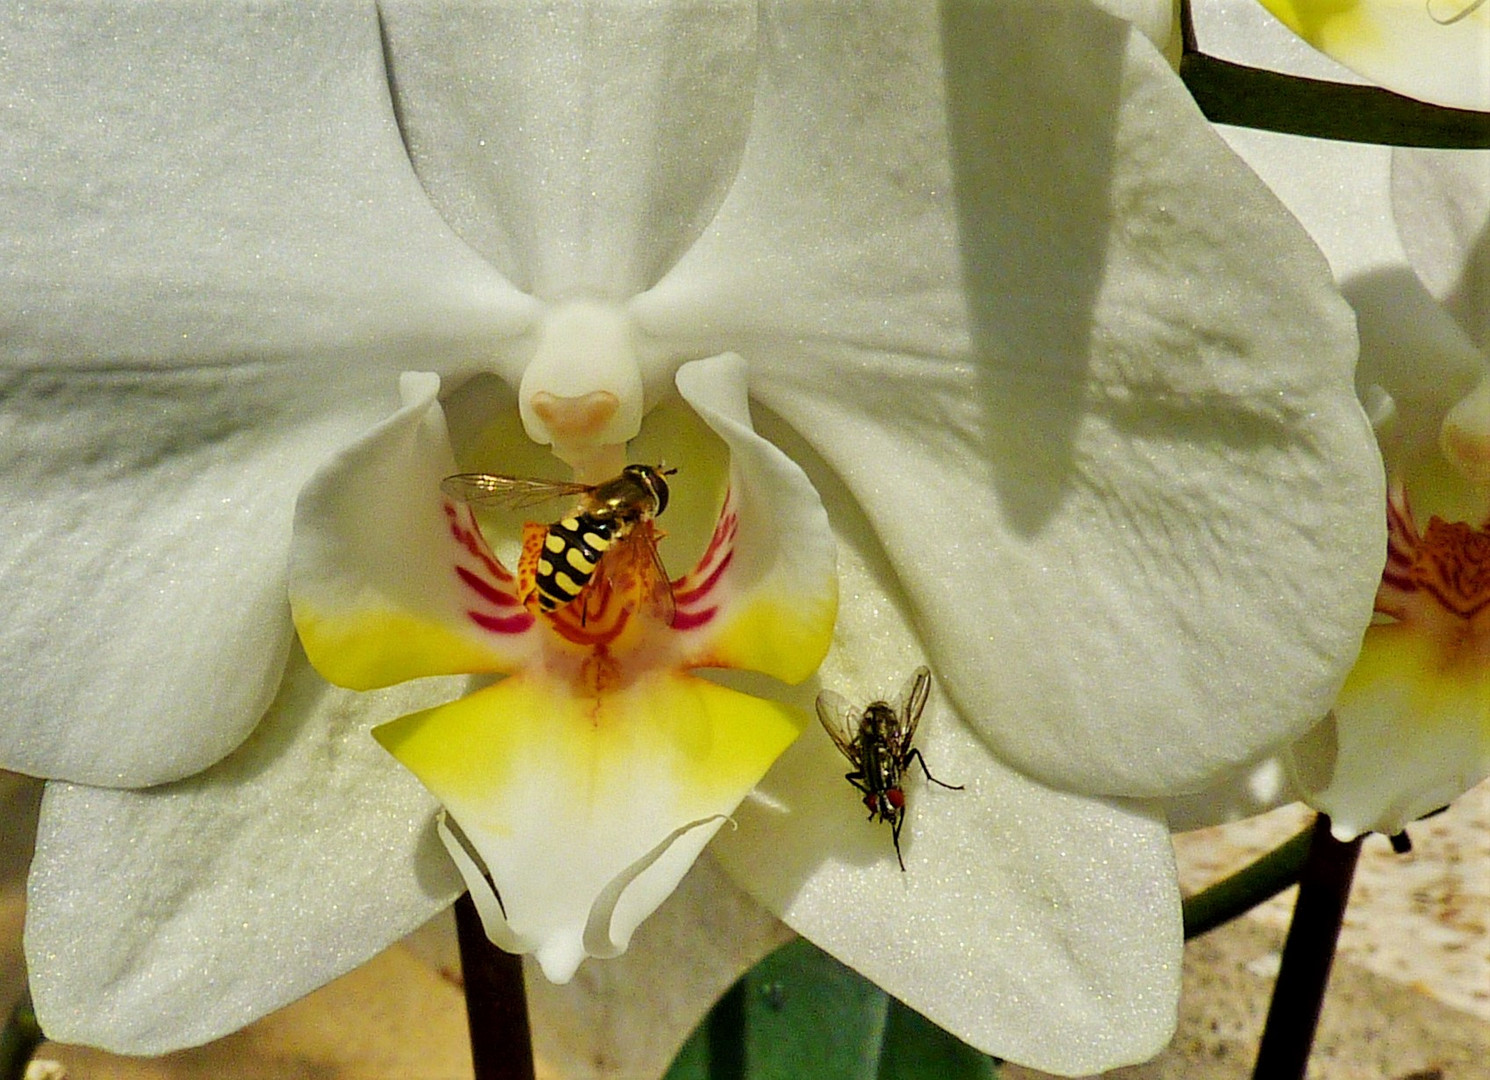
916 1049
800 1013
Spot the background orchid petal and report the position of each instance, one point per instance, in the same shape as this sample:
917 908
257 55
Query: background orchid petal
775 601
580 151
1245 32
1416 360
1399 706
587 811
388 576
216 257
1251 789
1437 50
1093 392
1441 202
165 918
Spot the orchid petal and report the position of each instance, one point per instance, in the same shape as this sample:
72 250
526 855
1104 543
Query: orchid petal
587 811
1434 50
580 152
1129 509
1010 925
1245 792
239 215
391 580
1155 18
166 918
767 596
1074 968
1407 733
191 319
1401 705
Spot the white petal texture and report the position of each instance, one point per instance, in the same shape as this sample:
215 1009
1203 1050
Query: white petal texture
1076 391
160 405
163 918
1085 924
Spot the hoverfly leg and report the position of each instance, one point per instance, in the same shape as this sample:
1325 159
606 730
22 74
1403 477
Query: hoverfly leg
916 753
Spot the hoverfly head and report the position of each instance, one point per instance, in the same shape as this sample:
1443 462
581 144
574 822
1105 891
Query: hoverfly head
651 478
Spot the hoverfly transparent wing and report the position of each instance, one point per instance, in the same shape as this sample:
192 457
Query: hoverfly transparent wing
661 600
841 721
910 703
511 492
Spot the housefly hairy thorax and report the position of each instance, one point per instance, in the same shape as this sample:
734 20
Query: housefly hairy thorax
604 517
877 740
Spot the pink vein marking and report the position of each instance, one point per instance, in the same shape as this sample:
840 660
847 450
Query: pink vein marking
485 589
468 535
509 624
706 586
689 620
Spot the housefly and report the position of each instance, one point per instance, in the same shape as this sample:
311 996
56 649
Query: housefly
877 742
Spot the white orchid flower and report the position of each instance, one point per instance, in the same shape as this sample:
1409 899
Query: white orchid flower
1433 50
1411 728
1074 391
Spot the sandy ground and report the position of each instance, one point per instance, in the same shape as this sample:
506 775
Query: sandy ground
1410 997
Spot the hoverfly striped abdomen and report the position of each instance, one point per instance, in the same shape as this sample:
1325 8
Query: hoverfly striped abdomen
571 551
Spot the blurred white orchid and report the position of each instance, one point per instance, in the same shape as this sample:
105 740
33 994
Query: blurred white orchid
1074 391
1405 232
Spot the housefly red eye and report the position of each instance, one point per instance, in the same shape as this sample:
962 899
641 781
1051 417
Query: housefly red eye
896 798
872 801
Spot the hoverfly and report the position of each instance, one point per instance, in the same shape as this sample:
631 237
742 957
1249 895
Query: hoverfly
877 742
605 515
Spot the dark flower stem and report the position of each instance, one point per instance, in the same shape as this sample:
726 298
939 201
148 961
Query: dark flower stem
496 1004
1293 1016
19 1039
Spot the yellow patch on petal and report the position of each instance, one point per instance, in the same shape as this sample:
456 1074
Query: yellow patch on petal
1326 24
667 748
786 639
1427 685
571 801
373 649
1410 732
